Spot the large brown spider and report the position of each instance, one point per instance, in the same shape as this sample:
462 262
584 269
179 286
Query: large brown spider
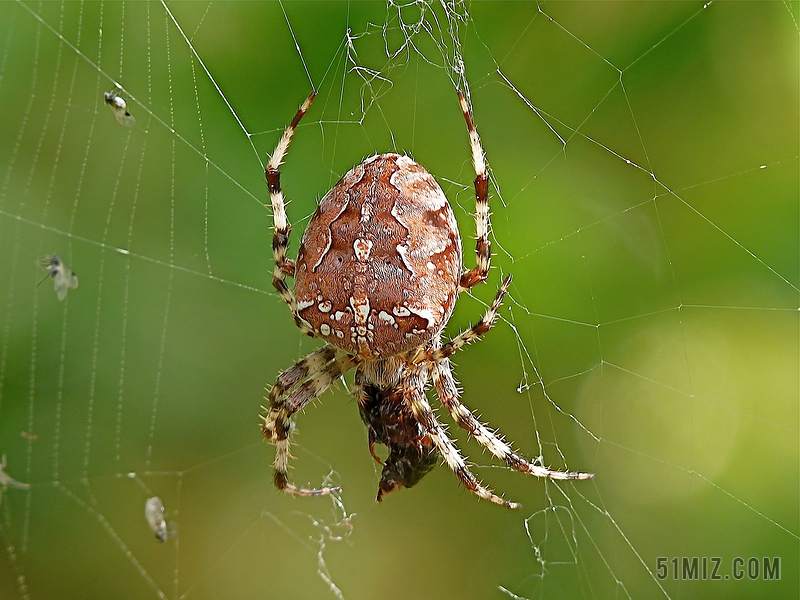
377 276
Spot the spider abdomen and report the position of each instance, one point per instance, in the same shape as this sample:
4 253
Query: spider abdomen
379 264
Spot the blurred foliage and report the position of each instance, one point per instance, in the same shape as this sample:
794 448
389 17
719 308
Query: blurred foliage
644 159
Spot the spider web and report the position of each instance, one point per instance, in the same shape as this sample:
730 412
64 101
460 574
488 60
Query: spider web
644 169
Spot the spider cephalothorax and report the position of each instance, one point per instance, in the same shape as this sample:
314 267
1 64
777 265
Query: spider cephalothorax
377 276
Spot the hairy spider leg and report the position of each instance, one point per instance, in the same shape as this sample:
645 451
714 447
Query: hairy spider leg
280 241
483 248
317 372
447 390
470 335
310 364
416 377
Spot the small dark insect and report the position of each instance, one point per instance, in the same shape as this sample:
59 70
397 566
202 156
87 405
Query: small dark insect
120 108
377 277
63 277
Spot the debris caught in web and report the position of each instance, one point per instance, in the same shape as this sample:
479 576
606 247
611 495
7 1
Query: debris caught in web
63 277
154 513
119 107
7 481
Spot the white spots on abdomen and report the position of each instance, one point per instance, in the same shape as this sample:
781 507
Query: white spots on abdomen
303 304
401 311
360 310
387 318
366 212
362 249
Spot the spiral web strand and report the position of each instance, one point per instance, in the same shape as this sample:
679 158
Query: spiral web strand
679 391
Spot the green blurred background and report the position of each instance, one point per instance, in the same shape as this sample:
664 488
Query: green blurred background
645 162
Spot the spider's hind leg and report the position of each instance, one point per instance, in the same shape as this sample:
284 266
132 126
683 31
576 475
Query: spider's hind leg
415 397
447 391
294 389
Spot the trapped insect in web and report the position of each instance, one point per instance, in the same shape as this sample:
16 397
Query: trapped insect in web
119 107
154 513
63 277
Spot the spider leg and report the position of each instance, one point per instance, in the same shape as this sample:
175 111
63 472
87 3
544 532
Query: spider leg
317 372
470 335
302 369
416 377
280 241
483 248
447 391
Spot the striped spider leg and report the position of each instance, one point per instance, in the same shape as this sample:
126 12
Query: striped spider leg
284 266
294 388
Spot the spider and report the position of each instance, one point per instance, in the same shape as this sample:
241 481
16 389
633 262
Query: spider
377 276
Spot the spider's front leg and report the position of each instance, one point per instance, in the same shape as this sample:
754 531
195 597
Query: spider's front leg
470 335
280 241
293 390
483 248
